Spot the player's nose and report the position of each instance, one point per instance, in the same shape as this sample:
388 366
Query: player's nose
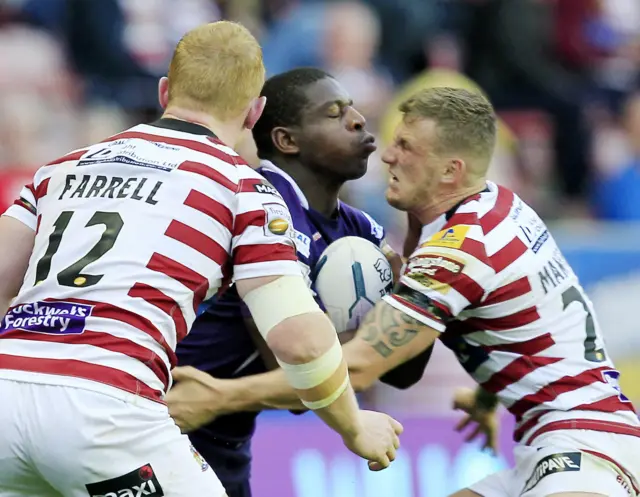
388 157
355 120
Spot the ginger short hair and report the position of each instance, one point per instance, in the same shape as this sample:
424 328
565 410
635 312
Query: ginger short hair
216 68
466 121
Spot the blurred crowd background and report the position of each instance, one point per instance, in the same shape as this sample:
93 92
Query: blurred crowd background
564 76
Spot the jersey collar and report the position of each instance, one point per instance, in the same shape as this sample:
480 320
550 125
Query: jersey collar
183 126
449 214
428 230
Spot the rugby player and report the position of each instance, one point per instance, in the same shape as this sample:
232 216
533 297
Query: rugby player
489 281
311 141
111 249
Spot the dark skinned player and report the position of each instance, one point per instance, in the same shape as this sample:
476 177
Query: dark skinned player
311 140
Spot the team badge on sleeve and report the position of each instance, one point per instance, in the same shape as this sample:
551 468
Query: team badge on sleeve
277 220
449 238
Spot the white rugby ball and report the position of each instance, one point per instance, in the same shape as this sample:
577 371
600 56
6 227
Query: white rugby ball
352 274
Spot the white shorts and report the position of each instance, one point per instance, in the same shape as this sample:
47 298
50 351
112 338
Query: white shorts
565 461
64 441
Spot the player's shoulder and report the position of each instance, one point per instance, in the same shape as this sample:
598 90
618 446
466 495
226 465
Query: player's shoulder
471 225
60 164
496 211
180 142
285 186
457 241
362 222
182 134
494 226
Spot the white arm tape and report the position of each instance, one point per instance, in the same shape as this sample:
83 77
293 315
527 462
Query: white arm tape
320 404
313 373
286 297
316 372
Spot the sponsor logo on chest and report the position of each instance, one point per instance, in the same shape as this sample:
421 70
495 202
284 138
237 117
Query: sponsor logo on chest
450 238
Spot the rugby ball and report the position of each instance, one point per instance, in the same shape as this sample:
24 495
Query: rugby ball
352 274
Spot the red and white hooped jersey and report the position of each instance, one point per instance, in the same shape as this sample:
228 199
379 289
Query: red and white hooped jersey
132 234
490 277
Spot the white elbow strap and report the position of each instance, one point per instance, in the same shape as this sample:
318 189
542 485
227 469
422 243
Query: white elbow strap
286 297
320 382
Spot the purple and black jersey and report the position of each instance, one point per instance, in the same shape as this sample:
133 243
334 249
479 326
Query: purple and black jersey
219 342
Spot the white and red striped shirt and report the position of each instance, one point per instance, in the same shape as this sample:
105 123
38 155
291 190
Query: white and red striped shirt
132 234
491 278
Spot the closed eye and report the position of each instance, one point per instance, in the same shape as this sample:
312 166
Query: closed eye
335 111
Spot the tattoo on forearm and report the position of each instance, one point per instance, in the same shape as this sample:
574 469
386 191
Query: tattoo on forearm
386 329
382 348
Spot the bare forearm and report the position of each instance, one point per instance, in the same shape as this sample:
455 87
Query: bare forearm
263 392
271 390
260 392
385 340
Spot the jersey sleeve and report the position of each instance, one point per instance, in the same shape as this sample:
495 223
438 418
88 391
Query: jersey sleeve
375 232
448 273
262 243
25 207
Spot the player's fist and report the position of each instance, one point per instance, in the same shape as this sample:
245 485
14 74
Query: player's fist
483 414
377 440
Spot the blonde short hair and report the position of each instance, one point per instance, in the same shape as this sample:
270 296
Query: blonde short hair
216 68
466 121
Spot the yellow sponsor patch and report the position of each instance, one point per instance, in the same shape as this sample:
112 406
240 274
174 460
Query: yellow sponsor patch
449 238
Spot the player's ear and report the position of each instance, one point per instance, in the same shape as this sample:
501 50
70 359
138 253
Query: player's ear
163 92
284 140
255 111
454 170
